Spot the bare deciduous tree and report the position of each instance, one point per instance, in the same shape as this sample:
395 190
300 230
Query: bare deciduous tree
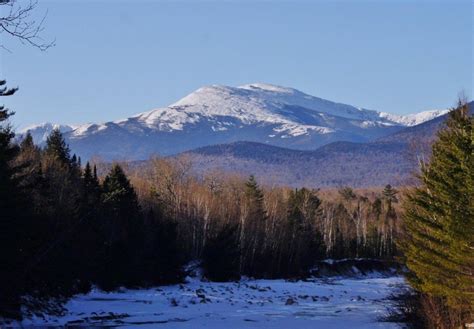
18 21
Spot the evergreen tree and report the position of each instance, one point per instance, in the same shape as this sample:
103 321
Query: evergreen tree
95 174
122 226
118 194
255 197
377 208
91 185
253 230
57 148
27 142
347 193
161 259
390 196
439 218
13 216
61 211
29 160
305 243
221 255
64 181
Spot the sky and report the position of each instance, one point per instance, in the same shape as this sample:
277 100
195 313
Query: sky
113 59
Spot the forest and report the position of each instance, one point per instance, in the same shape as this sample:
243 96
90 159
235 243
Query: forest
66 228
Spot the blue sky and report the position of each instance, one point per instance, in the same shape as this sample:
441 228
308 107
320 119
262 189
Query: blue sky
117 58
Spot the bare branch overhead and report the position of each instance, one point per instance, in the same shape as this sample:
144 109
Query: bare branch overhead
17 20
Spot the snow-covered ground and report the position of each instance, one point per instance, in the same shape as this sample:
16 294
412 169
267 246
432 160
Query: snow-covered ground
315 303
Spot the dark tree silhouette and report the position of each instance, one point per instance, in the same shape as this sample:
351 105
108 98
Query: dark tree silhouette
12 214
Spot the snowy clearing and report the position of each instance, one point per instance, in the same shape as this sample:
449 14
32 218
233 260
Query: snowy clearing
316 303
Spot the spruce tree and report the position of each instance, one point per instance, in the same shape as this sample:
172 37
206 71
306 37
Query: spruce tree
118 193
390 197
57 148
29 160
91 184
122 227
305 243
253 230
161 259
255 196
377 208
95 174
347 193
27 142
439 216
221 255
13 216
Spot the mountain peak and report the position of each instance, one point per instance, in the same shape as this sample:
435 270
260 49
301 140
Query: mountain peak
268 87
258 112
266 103
40 132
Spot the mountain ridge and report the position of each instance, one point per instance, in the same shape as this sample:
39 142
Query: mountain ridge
388 160
265 113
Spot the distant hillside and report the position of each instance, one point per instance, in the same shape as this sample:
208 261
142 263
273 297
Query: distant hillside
388 160
336 164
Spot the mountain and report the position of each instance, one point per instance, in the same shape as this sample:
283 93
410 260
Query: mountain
263 113
390 159
40 132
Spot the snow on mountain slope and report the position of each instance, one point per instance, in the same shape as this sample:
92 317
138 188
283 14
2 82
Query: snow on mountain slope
40 132
259 102
252 104
410 120
214 114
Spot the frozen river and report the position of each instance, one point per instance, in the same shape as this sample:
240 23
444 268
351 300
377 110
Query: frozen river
316 303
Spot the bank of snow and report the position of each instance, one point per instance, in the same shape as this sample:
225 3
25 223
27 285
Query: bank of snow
314 303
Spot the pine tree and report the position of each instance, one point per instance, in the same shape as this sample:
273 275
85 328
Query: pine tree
390 197
347 193
377 208
95 174
439 216
122 228
27 142
13 216
118 193
221 255
161 260
91 197
91 184
87 174
57 148
253 229
305 243
29 160
62 212
255 197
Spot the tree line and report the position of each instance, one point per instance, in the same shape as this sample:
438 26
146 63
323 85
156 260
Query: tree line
275 231
63 229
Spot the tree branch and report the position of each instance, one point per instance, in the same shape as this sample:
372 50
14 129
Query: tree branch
19 23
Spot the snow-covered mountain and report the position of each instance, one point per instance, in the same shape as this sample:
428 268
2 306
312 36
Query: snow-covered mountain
40 132
220 114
